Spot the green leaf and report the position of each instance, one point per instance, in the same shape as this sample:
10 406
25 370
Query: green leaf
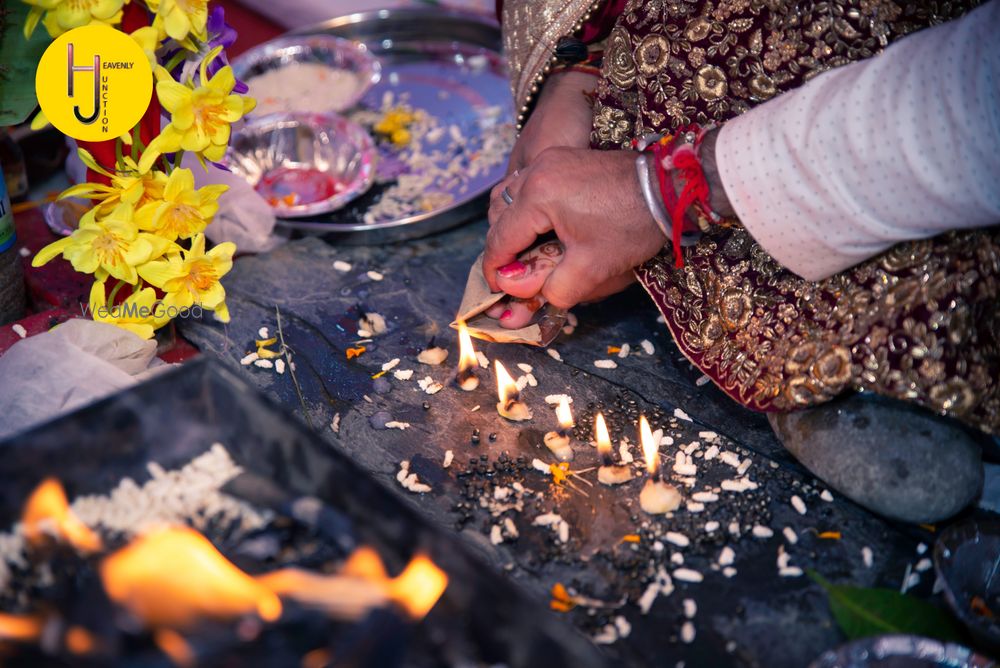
861 612
18 61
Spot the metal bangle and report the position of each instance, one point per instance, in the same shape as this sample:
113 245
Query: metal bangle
653 202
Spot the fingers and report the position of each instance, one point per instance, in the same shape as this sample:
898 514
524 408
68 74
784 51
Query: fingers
520 312
497 203
570 282
516 229
525 276
611 286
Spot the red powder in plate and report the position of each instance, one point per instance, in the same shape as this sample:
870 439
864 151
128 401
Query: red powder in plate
290 186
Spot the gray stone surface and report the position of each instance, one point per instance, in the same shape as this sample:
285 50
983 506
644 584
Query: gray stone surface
755 618
894 459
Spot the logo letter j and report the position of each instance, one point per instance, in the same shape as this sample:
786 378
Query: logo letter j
96 69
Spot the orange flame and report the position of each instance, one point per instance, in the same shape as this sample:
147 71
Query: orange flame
175 576
602 437
21 628
506 387
466 353
650 448
362 585
47 514
419 586
563 414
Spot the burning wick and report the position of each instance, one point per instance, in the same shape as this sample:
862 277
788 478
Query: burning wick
609 473
466 377
558 441
510 405
657 497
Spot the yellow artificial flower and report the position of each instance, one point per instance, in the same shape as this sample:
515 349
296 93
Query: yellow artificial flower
179 18
182 211
111 246
148 39
127 185
139 314
200 117
193 279
63 15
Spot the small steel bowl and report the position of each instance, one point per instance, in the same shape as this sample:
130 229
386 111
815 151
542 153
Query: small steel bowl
901 651
967 562
303 164
334 52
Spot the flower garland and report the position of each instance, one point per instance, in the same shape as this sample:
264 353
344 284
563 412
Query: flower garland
146 228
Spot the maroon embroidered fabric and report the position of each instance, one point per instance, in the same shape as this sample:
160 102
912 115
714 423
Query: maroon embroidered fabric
919 323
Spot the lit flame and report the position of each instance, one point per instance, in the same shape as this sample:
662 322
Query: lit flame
466 353
47 514
361 586
564 415
419 586
650 448
506 387
21 628
173 577
602 437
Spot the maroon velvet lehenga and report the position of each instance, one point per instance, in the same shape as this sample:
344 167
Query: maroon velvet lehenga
921 322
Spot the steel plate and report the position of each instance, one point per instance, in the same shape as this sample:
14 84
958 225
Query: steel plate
424 52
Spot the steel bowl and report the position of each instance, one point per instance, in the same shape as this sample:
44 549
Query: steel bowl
967 562
334 52
901 651
303 164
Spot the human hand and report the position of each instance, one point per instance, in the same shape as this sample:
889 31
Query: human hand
592 201
527 276
562 117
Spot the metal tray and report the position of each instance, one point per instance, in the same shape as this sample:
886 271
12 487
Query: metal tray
425 52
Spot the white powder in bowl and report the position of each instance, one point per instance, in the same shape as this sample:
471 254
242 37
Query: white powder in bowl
303 87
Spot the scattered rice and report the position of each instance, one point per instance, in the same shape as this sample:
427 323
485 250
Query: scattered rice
624 351
867 557
249 359
403 374
554 399
526 368
678 539
688 575
391 364
760 531
790 535
681 415
690 608
279 365
554 354
826 496
374 275
687 633
393 424
798 504
605 364
19 330
409 481
727 556
340 265
484 363
647 346
264 364
263 333
432 356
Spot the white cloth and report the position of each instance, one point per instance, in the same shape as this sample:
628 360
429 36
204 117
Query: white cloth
71 365
902 146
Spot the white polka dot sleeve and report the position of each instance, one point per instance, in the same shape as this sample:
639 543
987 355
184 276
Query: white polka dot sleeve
902 146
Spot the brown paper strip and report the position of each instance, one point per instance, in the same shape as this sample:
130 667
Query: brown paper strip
475 302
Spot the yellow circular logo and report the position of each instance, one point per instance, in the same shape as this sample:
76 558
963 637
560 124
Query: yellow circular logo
94 83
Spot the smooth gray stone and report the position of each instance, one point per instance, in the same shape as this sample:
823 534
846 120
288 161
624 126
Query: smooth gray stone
896 460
